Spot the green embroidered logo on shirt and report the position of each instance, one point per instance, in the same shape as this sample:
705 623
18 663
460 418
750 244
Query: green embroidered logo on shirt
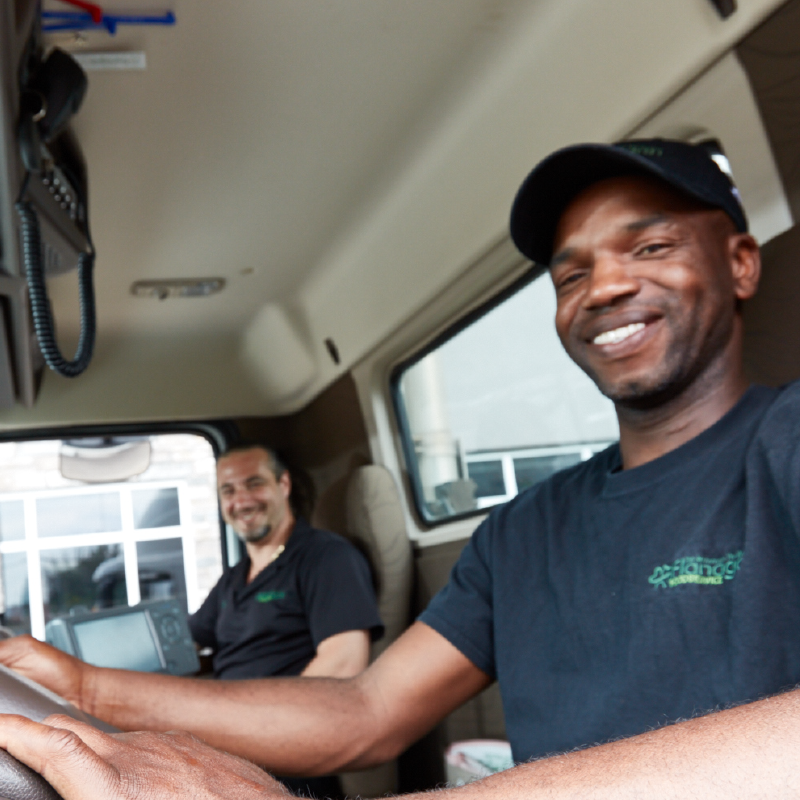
697 569
268 597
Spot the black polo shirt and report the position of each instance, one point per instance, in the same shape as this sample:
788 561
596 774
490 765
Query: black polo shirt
608 602
319 586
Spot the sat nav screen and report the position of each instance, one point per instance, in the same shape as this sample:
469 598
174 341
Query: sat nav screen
123 641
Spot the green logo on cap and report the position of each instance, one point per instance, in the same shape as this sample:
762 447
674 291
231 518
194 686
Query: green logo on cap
648 150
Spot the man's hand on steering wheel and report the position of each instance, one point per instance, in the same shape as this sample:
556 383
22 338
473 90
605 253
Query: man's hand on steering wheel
82 763
55 670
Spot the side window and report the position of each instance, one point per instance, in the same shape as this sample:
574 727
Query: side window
497 407
95 523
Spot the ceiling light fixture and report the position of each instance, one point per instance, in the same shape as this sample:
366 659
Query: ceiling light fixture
178 287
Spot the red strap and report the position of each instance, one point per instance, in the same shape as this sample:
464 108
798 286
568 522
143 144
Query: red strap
92 8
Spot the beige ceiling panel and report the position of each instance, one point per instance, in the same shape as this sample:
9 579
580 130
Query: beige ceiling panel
344 160
572 71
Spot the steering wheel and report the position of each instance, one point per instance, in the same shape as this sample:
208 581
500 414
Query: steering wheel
19 695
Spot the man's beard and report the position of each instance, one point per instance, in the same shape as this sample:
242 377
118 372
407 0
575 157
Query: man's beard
688 356
644 396
256 536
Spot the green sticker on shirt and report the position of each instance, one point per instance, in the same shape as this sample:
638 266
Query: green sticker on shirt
268 597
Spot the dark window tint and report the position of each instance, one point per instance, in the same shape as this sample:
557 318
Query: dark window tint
488 477
530 471
82 513
12 520
161 569
156 508
17 614
83 578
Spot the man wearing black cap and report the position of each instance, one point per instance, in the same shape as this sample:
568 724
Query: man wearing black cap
658 581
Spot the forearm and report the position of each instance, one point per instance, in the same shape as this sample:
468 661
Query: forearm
748 752
267 721
289 725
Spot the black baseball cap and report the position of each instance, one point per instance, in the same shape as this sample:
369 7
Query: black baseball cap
563 175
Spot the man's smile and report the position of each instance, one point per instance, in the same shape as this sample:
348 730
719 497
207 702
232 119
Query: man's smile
248 514
624 341
618 334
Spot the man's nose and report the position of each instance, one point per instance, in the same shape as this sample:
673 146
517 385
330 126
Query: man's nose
242 498
610 281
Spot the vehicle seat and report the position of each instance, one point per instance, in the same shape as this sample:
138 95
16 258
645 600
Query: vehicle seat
376 523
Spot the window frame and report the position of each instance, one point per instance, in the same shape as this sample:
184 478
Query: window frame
127 536
533 272
220 434
508 461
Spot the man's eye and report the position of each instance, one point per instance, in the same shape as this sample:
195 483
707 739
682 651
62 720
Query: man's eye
650 249
572 277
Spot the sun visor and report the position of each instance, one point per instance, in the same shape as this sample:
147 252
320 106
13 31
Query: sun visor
276 356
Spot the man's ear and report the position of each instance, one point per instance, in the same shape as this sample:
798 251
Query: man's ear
745 260
285 482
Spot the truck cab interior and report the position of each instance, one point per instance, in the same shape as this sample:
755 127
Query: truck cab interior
299 212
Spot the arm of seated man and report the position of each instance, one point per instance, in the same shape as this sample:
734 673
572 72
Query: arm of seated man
342 655
290 725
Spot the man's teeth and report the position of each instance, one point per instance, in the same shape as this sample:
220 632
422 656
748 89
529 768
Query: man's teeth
618 334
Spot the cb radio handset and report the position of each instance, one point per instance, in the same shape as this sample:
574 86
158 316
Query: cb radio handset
51 92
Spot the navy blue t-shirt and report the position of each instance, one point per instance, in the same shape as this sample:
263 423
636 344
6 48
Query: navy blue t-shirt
319 586
608 602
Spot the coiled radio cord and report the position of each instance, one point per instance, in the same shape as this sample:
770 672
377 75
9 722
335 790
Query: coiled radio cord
41 309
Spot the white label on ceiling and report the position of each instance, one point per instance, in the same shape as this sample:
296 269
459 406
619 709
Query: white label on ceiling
110 61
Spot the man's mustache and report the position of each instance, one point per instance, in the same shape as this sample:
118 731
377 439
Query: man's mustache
261 507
